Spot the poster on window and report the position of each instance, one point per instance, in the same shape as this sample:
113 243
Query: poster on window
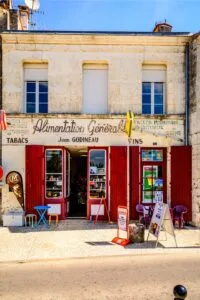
158 197
122 218
149 176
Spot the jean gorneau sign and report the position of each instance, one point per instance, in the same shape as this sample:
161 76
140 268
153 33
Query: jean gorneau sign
104 132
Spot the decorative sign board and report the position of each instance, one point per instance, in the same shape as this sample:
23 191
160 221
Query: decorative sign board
92 131
161 219
122 224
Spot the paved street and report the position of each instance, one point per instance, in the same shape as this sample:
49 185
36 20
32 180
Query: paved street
120 277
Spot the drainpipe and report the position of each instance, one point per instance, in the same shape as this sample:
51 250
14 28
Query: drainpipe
187 94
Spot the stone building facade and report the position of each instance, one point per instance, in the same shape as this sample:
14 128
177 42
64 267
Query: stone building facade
194 123
125 62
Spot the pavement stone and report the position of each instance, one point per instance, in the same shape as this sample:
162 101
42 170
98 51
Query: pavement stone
81 238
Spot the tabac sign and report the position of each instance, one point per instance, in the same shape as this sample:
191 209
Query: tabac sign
94 132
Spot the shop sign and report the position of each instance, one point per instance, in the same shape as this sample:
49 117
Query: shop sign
68 131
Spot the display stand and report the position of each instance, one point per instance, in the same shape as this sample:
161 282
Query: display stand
161 219
122 224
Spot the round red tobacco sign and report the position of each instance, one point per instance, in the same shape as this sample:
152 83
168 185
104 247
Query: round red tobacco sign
1 172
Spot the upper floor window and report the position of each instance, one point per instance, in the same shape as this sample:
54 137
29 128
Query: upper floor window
95 88
152 98
153 90
36 88
36 96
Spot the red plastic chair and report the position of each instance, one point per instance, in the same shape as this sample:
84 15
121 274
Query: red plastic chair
178 215
143 215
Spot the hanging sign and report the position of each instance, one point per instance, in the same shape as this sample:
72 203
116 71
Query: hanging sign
161 219
122 225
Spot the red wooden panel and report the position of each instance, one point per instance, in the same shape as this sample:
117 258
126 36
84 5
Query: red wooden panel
34 177
118 179
134 181
181 178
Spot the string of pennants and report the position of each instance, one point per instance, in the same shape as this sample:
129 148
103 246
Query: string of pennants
3 122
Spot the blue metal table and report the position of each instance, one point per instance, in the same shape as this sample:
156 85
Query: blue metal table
42 209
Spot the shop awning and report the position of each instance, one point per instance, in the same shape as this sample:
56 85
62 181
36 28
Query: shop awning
3 123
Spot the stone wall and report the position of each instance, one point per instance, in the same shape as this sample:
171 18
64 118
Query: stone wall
65 55
195 124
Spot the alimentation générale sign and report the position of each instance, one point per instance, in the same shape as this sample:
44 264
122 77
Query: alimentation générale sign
110 131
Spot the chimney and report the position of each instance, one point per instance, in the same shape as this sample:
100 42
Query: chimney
13 19
24 14
162 27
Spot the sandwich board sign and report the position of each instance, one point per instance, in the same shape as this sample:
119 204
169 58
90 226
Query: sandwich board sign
122 226
161 219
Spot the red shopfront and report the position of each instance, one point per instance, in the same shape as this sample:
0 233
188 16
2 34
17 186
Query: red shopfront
119 175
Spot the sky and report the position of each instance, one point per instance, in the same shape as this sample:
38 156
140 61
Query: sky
115 15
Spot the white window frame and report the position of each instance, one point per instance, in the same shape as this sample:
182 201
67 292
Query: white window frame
36 95
154 73
35 72
152 98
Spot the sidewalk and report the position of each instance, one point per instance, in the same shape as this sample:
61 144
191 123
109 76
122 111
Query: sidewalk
81 238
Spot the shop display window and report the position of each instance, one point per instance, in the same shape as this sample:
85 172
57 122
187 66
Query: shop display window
97 174
152 184
53 173
152 155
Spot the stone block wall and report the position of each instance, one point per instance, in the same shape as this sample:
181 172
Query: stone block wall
195 124
66 54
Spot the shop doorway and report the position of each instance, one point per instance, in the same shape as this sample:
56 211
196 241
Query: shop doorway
78 185
153 175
